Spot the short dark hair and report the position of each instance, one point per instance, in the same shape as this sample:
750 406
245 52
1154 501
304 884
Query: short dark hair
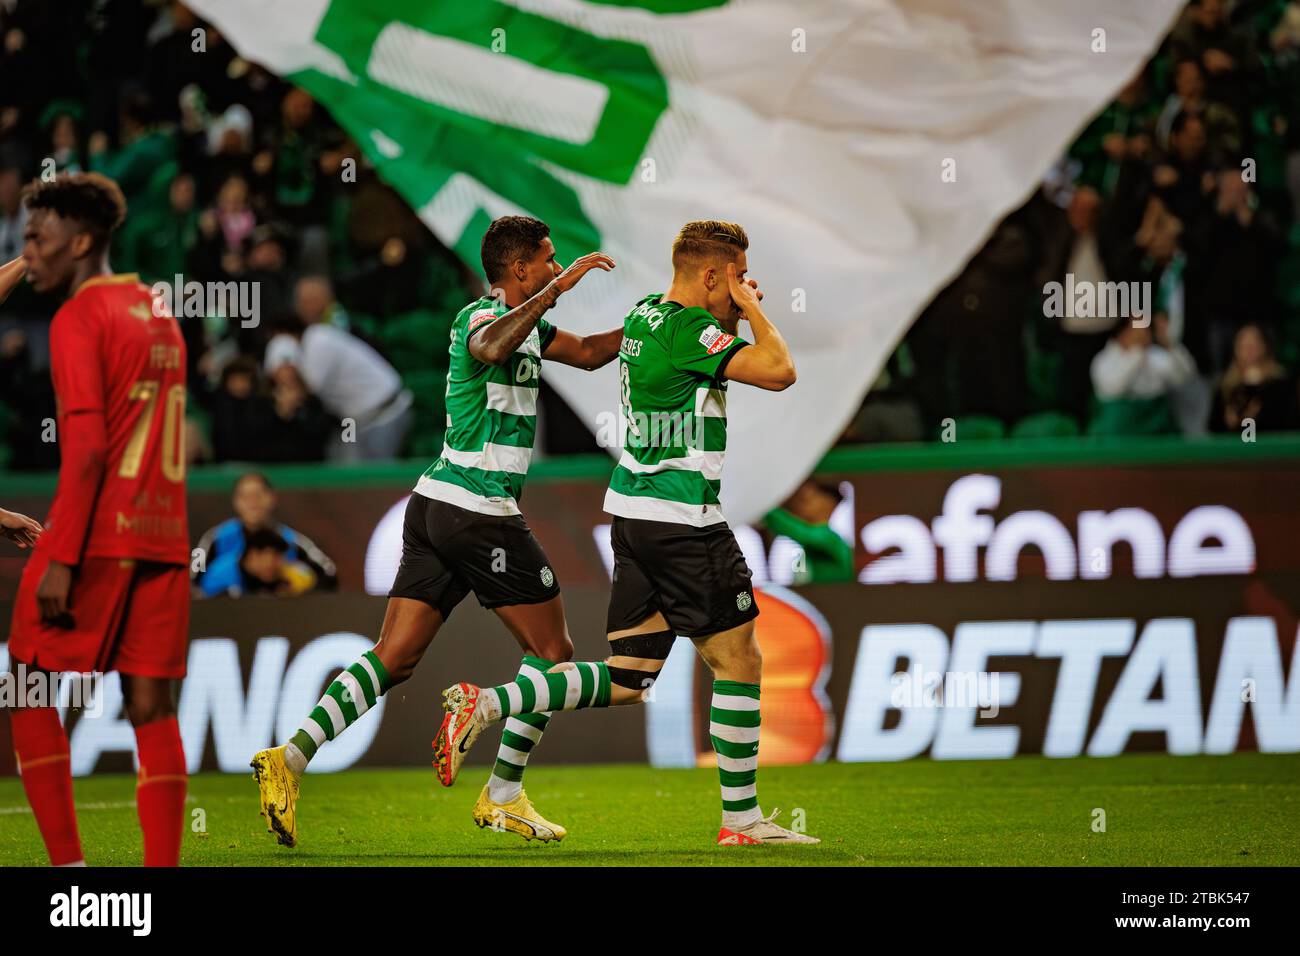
91 199
263 539
509 239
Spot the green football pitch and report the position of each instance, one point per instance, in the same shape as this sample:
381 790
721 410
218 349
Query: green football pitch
1242 809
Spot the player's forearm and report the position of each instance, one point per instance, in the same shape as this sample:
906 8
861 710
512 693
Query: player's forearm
769 343
11 273
602 348
498 341
83 454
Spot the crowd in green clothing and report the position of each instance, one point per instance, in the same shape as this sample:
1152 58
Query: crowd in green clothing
230 175
1187 184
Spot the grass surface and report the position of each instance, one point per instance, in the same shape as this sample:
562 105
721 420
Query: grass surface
1242 809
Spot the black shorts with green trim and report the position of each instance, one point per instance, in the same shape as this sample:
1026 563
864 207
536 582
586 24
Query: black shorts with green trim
696 577
448 551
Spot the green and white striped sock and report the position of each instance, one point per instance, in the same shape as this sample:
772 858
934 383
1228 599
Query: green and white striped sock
350 695
521 734
733 727
578 685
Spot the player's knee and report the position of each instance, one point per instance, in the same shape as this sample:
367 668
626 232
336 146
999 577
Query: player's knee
559 649
147 702
632 675
400 666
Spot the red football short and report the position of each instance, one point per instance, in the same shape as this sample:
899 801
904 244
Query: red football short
128 616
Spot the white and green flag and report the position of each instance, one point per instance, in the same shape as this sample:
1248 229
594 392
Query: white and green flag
867 146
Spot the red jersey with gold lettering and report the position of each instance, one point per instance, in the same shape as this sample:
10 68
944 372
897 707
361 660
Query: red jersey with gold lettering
119 377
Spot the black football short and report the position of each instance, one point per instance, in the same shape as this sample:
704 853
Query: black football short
448 552
696 577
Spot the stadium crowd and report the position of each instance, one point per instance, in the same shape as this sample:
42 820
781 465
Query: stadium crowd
1187 184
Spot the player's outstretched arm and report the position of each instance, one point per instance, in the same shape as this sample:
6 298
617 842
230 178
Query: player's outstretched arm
11 273
587 352
497 341
19 529
767 363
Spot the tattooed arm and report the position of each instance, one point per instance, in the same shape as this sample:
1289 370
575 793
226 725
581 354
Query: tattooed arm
498 340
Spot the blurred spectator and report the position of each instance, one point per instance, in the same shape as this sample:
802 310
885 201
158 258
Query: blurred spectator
13 215
1182 175
1073 247
143 148
300 426
1234 256
352 380
1222 127
804 518
287 425
1134 376
62 124
223 547
1255 387
265 567
1227 53
227 224
969 343
160 244
179 58
238 411
1121 133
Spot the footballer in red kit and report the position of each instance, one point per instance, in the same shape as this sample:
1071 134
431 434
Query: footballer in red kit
107 585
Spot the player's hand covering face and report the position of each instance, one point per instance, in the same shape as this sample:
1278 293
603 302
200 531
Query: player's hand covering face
744 292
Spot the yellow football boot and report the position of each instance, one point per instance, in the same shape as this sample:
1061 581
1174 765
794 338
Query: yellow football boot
517 816
278 789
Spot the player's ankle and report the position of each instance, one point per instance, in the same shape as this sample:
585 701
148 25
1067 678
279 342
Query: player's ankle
503 791
295 759
488 708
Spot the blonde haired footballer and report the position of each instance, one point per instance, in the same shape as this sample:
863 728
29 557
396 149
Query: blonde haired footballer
677 567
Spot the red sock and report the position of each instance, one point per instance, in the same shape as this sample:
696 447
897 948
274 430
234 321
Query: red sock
41 747
160 793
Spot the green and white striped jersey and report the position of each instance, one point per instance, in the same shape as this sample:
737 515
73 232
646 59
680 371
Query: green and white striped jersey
491 418
674 404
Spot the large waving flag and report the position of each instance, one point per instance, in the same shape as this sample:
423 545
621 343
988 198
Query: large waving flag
868 147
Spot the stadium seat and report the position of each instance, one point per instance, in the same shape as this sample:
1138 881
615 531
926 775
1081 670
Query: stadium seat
1045 425
979 428
1133 416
